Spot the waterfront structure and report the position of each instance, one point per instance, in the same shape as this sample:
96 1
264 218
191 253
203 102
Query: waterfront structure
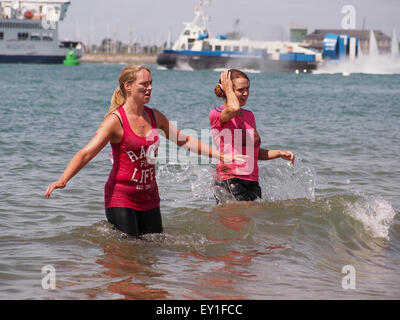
315 40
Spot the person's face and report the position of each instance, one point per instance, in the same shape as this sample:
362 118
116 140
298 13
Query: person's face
241 88
141 88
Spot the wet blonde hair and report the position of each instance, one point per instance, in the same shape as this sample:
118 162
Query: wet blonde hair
235 74
127 75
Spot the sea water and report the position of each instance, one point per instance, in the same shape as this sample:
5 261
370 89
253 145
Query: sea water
335 210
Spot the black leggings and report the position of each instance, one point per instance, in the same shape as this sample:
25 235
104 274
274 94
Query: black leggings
133 222
241 190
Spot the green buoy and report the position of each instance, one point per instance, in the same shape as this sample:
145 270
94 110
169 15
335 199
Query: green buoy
71 59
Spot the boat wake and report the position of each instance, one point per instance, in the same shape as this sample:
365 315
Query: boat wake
364 64
183 66
244 70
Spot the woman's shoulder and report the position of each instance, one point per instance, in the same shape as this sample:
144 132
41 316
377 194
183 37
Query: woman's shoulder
155 111
247 111
161 119
217 110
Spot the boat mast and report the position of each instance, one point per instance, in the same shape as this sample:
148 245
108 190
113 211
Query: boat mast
194 29
199 14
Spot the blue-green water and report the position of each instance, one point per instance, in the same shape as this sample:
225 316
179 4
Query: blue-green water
337 206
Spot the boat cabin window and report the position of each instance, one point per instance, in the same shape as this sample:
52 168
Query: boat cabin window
23 35
245 49
217 48
235 48
47 37
190 43
35 37
206 46
1 35
187 33
227 48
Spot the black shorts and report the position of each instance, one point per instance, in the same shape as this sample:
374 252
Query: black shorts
241 190
133 222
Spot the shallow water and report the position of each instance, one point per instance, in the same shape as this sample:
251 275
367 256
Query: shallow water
337 206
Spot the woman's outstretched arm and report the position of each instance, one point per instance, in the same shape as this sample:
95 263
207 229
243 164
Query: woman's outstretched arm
274 154
103 135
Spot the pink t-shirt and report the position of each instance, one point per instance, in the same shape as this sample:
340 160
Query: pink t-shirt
236 136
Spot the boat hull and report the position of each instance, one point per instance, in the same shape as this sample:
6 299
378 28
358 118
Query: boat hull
31 59
203 62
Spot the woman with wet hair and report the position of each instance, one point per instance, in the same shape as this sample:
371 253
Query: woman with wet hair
234 131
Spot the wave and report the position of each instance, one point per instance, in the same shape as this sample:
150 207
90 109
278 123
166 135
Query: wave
287 189
375 214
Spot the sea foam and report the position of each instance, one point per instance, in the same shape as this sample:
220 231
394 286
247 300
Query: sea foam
375 213
381 64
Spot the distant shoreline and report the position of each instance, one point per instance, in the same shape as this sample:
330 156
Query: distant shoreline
118 58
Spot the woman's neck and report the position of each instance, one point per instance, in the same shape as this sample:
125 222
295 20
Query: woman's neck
134 108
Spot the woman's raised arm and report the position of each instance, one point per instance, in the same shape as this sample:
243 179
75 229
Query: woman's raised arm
232 103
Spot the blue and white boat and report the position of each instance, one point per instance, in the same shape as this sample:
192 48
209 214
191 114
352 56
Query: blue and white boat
197 49
29 32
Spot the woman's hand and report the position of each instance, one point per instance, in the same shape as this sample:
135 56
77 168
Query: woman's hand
55 185
287 155
226 82
231 100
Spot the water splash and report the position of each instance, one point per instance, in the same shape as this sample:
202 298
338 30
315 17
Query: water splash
384 64
375 214
244 70
161 68
196 180
183 66
282 181
202 181
373 46
278 179
395 44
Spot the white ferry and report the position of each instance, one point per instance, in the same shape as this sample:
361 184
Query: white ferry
29 32
196 49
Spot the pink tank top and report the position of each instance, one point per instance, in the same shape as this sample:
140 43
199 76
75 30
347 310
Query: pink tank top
132 180
236 136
